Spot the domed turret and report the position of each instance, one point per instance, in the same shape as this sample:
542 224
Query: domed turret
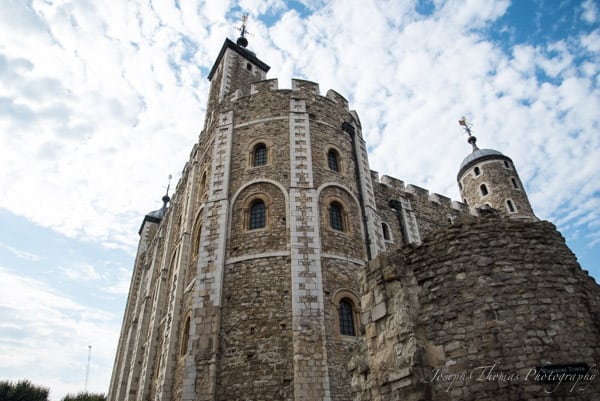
487 177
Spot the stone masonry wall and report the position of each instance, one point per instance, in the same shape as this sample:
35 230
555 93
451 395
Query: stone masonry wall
472 312
430 210
256 333
503 184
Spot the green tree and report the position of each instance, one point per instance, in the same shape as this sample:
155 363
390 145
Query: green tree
84 396
22 390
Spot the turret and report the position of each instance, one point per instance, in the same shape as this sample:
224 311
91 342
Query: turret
488 178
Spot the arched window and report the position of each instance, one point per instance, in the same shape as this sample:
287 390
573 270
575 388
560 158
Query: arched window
258 215
333 160
484 190
510 206
196 243
259 155
185 337
202 187
386 231
346 317
477 171
336 216
507 164
514 183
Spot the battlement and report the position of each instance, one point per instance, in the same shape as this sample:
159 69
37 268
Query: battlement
300 88
398 188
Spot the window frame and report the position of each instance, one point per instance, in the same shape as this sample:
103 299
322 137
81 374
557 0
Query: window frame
336 222
185 337
484 190
333 157
252 216
510 206
346 318
386 232
345 294
262 159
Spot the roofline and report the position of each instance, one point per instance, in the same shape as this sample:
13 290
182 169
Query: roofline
480 159
150 219
242 52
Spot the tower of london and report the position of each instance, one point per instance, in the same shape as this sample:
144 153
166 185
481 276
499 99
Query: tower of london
283 268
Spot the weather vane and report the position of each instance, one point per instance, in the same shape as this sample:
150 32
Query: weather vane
242 41
467 126
463 122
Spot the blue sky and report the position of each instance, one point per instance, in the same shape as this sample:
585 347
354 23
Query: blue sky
101 100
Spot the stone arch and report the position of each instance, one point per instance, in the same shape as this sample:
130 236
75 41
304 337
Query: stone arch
349 241
273 236
251 152
196 232
340 161
337 300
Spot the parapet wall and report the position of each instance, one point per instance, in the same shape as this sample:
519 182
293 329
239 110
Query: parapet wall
473 312
423 212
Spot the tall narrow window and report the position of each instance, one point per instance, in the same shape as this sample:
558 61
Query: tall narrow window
197 234
346 312
510 206
258 215
477 171
484 190
202 186
333 160
514 183
386 231
259 155
335 217
185 337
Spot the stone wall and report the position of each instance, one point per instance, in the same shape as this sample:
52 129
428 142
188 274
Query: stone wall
470 314
411 212
503 184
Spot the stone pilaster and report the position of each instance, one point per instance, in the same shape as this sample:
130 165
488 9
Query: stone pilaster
200 375
311 378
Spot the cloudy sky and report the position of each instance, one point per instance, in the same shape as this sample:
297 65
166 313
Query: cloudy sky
101 100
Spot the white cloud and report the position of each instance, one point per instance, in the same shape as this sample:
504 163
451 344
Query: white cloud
81 272
120 286
590 11
31 257
101 100
44 337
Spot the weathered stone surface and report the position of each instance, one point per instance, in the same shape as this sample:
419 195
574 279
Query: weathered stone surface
221 311
476 329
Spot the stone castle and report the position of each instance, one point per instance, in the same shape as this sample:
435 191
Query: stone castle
283 268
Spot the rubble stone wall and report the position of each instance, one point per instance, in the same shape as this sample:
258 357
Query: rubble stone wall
472 312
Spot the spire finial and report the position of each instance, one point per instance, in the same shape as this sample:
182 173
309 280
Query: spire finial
242 41
472 139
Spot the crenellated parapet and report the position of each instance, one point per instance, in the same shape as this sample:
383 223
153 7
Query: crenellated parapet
410 212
